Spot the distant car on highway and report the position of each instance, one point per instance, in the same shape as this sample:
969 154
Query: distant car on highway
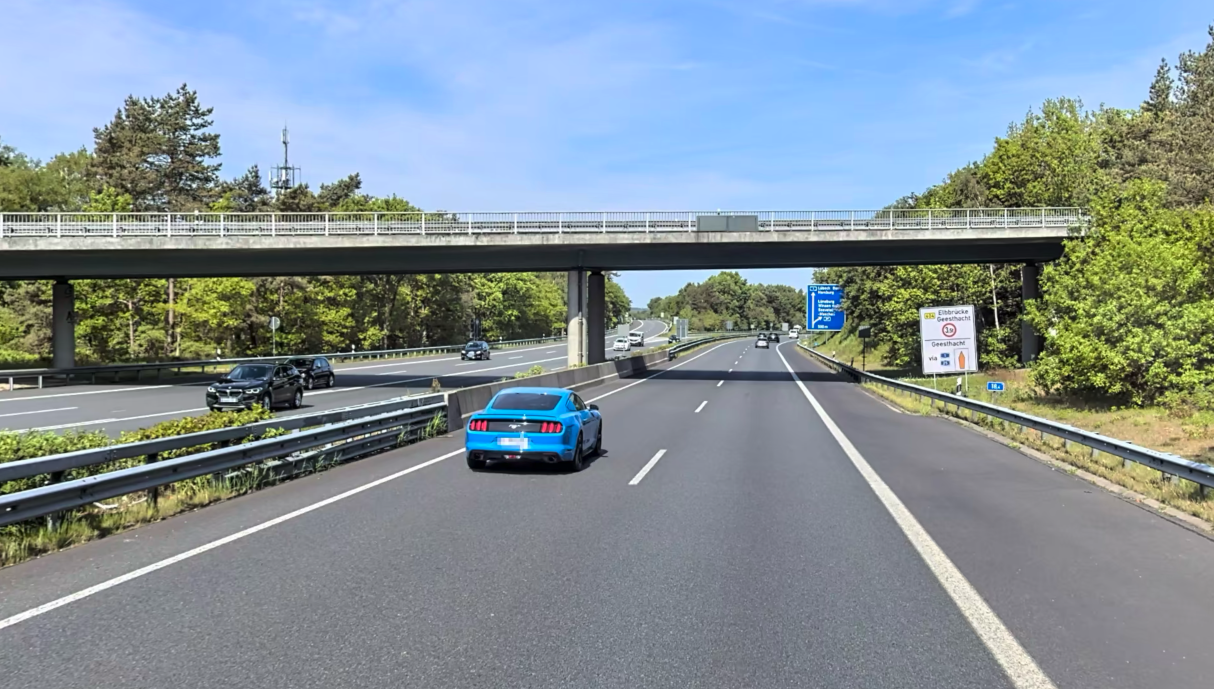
476 350
315 370
673 338
774 336
534 424
251 384
761 342
636 339
620 345
794 333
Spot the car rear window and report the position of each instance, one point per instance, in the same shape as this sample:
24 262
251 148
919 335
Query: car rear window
526 401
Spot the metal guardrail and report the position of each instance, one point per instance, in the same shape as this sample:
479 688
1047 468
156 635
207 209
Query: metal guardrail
119 225
1170 464
92 372
674 351
372 430
57 465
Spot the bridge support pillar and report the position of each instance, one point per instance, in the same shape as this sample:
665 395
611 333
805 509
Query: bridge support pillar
576 299
596 317
63 325
1030 288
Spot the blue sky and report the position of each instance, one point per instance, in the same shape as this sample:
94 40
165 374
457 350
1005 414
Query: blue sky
555 105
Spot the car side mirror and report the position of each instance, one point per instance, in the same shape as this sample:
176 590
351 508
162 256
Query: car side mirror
592 407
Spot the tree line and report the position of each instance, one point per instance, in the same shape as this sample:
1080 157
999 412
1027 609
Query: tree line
1128 312
727 296
161 154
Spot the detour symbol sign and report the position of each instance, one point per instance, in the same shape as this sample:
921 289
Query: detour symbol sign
948 329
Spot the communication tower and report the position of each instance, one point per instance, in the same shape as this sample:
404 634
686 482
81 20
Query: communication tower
284 177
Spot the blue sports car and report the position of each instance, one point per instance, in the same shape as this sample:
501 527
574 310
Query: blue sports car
537 424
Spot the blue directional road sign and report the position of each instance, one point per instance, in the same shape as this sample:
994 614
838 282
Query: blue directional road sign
994 386
825 307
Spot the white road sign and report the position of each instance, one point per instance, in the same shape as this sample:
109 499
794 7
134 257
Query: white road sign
949 339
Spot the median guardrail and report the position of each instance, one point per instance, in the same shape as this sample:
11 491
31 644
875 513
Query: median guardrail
356 431
92 372
1166 463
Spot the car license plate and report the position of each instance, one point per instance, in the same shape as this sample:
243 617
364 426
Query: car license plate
229 398
520 443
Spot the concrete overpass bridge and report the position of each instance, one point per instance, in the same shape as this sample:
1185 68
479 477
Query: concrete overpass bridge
66 246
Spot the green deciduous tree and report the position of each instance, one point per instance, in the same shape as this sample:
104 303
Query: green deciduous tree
1129 309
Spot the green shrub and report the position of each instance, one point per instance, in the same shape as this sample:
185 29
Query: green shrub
536 370
13 359
16 445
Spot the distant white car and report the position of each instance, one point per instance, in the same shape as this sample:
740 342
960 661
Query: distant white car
636 339
794 334
762 344
621 345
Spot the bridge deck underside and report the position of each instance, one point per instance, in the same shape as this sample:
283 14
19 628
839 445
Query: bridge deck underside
31 259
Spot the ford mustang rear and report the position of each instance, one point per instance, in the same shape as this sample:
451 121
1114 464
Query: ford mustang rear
533 424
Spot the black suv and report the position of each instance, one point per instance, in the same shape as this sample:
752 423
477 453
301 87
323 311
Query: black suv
250 384
477 349
316 371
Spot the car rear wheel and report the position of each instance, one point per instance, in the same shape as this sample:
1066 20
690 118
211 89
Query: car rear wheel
598 442
579 461
476 464
297 400
332 381
308 382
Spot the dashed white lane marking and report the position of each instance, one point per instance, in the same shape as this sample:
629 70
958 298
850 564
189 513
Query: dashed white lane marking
720 383
1020 667
640 474
702 404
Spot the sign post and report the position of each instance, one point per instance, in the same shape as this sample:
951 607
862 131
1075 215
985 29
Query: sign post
824 307
948 339
274 323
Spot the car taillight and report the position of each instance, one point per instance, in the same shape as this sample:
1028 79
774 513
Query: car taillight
550 427
478 425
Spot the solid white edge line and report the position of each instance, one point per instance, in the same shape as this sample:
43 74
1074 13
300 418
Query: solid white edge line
658 373
37 411
702 405
111 583
140 388
1020 667
645 469
430 377
94 422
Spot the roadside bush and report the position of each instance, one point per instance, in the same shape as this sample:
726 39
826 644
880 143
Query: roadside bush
13 359
1129 309
16 445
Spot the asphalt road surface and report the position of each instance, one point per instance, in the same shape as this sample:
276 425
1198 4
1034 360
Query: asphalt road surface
116 408
740 531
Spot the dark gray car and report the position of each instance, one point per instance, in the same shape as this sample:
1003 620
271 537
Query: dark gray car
250 384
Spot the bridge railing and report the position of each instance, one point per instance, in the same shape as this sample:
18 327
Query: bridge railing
123 225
